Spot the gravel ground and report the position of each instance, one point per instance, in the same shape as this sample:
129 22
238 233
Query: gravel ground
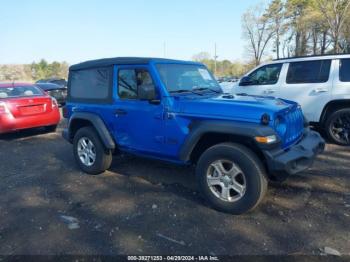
48 206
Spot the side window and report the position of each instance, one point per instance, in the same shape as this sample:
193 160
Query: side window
90 84
145 85
309 72
131 80
266 75
344 73
127 84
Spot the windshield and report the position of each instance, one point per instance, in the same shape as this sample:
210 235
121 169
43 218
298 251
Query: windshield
182 78
19 91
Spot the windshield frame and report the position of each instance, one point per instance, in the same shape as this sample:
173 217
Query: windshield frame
213 89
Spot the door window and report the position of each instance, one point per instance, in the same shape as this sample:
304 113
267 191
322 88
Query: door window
309 72
130 81
266 75
344 73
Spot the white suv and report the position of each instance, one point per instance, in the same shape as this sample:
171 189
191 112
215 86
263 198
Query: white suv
320 84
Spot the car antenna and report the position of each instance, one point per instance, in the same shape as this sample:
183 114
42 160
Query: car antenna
13 83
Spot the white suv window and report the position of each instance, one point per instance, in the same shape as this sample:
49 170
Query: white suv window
344 73
266 75
309 72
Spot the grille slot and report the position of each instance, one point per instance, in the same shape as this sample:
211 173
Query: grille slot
295 126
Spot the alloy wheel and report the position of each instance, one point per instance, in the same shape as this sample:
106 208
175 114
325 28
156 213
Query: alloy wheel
86 151
340 128
226 180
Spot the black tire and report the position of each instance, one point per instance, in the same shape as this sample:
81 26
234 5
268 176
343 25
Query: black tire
103 157
337 127
51 129
248 163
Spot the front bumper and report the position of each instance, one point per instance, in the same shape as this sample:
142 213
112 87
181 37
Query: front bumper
297 158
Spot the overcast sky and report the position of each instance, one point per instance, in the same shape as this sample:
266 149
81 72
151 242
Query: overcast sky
77 30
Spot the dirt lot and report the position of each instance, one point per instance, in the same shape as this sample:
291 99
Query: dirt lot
48 206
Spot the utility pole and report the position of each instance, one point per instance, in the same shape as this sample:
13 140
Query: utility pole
215 58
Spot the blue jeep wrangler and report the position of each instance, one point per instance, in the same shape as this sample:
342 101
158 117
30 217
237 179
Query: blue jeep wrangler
175 111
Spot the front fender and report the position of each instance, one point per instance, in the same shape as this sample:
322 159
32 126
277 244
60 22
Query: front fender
200 128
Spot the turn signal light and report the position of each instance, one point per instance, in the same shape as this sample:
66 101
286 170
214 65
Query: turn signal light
266 139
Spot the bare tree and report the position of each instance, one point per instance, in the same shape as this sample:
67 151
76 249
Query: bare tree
257 32
275 16
346 35
335 12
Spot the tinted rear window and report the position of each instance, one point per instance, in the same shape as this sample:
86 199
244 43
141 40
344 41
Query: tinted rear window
19 91
344 70
90 84
309 72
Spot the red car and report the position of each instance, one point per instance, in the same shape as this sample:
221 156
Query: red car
25 106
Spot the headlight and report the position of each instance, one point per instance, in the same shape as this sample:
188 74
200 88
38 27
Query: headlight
280 126
265 119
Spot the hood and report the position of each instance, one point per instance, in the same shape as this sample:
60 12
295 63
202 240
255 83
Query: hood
231 107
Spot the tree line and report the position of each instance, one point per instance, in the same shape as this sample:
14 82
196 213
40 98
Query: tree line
34 71
222 68
289 28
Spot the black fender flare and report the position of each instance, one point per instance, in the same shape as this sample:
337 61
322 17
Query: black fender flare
331 105
97 123
200 128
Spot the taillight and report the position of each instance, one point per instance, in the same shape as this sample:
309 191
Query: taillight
4 109
54 102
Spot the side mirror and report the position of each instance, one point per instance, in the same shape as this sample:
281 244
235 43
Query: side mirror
246 81
148 92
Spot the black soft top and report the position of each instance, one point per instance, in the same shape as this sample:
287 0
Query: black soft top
105 62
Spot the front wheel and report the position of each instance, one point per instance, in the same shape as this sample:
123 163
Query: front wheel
338 127
231 178
89 152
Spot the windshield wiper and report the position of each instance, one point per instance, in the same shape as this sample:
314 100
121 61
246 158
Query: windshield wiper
185 91
206 88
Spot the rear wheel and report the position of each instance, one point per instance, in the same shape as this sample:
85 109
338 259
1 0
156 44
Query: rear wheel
337 127
89 152
231 178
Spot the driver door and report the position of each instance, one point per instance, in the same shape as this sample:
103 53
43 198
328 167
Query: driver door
138 123
264 81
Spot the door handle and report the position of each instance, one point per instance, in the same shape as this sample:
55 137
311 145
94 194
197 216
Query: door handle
320 90
120 112
269 91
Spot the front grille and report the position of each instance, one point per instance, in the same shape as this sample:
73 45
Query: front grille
295 126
